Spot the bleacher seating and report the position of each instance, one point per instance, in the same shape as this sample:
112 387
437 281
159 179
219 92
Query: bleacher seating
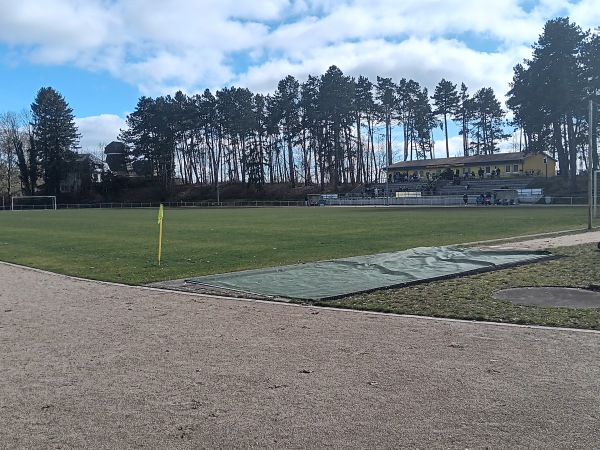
447 188
485 185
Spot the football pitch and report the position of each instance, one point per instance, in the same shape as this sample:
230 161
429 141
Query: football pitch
180 370
121 245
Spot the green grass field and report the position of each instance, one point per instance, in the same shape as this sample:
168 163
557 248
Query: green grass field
121 245
471 297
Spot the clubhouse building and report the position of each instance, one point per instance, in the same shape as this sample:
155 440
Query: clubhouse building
478 166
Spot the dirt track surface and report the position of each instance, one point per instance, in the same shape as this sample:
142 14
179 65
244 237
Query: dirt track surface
101 366
552 241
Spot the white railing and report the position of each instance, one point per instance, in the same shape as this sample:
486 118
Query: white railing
237 203
350 201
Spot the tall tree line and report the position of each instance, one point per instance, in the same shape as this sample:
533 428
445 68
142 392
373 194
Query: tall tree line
329 130
38 147
550 93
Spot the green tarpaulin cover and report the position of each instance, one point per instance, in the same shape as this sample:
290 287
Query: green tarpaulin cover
340 277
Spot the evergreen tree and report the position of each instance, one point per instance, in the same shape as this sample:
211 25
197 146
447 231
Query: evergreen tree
446 101
424 123
185 118
335 107
591 65
210 132
365 107
549 93
463 115
152 135
386 94
310 121
414 112
488 126
54 137
286 100
256 155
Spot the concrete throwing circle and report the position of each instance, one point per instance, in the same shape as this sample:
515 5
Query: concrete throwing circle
551 297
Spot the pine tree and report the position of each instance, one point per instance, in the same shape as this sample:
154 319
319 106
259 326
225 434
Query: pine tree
310 121
387 98
463 115
488 122
287 99
591 64
152 134
54 137
365 105
446 101
549 93
335 107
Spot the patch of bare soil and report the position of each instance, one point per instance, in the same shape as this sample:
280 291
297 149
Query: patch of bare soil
96 365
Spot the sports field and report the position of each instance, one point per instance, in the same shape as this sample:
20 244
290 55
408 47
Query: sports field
103 365
121 245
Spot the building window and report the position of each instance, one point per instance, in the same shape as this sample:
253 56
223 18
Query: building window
516 168
487 169
507 168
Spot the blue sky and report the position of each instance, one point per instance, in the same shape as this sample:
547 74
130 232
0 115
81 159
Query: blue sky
102 55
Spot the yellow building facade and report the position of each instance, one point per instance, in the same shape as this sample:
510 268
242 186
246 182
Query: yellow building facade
478 166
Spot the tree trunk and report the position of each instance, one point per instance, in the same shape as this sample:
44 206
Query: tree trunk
572 143
446 132
291 161
563 158
359 152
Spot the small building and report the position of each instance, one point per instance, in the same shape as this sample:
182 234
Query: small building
123 165
85 171
478 166
116 158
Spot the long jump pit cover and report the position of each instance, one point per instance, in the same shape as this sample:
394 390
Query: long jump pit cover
325 280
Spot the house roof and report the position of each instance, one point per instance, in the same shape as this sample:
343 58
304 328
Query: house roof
497 158
115 147
94 159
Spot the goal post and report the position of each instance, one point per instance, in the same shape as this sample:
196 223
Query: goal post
30 202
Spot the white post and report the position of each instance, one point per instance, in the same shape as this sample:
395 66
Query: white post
387 189
596 175
590 167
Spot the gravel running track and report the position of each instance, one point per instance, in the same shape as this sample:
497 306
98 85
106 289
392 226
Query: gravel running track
92 365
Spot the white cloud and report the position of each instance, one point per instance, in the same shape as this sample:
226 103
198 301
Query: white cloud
422 60
161 46
586 14
98 131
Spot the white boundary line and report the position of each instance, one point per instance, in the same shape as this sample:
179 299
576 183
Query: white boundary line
298 305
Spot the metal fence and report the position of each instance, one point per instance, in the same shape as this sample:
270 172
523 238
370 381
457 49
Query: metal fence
231 204
341 201
578 200
449 200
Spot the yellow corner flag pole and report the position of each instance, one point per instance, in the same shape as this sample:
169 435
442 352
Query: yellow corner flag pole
160 221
